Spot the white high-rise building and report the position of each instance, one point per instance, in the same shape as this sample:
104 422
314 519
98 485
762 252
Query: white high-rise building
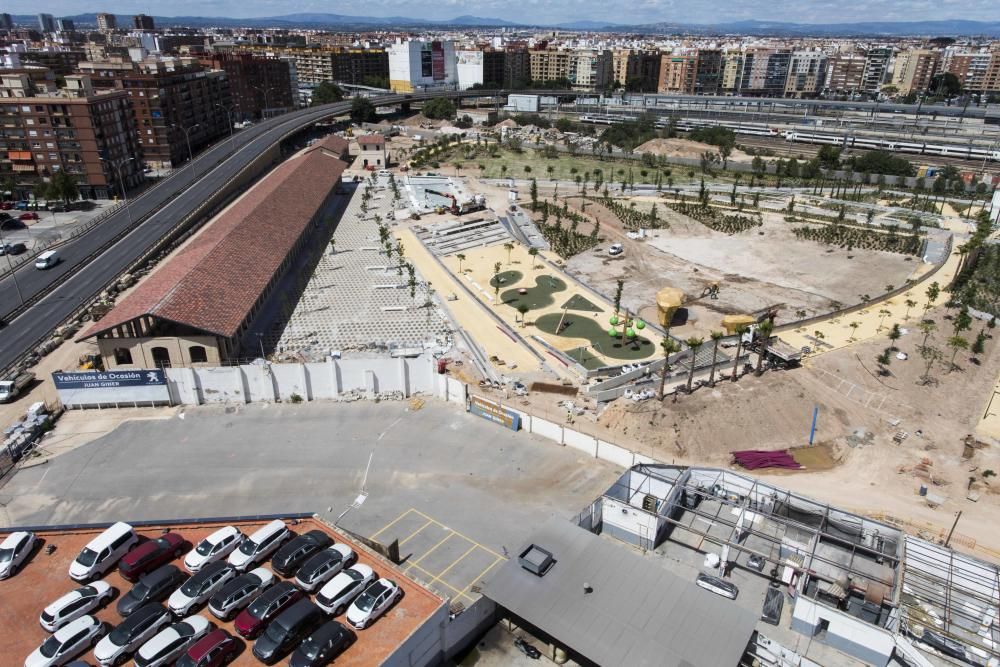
418 65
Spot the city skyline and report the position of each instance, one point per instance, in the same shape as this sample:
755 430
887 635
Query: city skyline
627 13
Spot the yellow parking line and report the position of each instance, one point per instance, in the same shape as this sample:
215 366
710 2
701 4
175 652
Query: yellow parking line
454 563
450 535
481 575
464 537
430 574
414 533
392 523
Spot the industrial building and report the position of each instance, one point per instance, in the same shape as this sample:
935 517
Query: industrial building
190 311
422 66
828 586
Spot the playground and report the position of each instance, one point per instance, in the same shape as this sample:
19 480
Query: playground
603 345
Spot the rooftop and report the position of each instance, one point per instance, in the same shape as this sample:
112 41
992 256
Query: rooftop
635 612
213 283
371 140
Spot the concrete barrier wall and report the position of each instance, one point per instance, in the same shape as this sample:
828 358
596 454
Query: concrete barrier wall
614 454
576 440
457 391
314 381
547 429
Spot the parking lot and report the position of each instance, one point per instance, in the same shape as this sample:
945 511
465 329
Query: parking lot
44 578
444 559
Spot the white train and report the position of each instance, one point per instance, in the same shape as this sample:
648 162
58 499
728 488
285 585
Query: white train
685 124
966 152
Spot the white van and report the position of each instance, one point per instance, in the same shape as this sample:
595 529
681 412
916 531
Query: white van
101 554
259 545
47 260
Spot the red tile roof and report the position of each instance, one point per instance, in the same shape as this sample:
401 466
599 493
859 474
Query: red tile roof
371 140
333 144
214 282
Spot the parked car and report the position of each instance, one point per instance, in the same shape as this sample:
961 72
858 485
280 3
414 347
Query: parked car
323 566
102 552
13 249
288 629
200 587
75 604
68 642
153 587
172 642
14 550
22 205
251 621
374 602
616 249
214 649
322 646
290 556
131 633
28 216
150 555
259 545
717 586
337 593
239 592
213 548
6 206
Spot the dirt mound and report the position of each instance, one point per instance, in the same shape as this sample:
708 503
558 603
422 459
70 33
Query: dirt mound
421 120
506 123
685 148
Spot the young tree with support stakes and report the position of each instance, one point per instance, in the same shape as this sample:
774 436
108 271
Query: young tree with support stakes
926 327
930 355
933 292
894 335
694 344
669 346
716 337
764 330
956 343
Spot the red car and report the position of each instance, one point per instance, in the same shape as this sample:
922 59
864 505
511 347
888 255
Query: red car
28 216
252 620
216 648
6 206
150 555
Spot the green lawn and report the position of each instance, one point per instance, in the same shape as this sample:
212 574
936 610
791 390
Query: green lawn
539 296
577 302
562 167
581 326
506 278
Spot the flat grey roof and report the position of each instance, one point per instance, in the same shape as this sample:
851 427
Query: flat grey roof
639 613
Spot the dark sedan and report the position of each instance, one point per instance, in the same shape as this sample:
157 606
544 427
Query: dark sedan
294 552
154 587
322 646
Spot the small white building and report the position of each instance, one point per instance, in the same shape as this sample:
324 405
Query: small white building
418 66
373 151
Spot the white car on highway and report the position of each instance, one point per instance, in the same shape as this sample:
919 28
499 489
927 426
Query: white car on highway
213 548
334 597
75 604
67 643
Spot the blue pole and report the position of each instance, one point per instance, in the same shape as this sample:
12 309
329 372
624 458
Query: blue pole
812 432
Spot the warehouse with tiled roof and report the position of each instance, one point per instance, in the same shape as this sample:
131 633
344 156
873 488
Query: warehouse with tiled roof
195 307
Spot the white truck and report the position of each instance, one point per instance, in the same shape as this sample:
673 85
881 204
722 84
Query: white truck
11 387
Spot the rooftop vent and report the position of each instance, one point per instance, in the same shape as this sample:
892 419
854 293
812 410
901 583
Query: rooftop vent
536 560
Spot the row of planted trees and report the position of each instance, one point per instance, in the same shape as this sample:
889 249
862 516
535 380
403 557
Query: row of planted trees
850 237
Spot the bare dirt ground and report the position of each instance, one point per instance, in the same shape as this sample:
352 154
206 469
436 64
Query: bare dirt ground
686 148
758 269
878 477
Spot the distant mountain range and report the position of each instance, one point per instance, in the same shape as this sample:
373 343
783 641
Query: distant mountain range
946 28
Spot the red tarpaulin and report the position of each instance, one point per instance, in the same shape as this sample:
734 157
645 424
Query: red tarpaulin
752 459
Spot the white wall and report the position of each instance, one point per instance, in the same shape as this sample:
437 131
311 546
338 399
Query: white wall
469 67
314 381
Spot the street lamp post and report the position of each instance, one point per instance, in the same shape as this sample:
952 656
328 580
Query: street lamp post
229 115
117 166
187 138
267 102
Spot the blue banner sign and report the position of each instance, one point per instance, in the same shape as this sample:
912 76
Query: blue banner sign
109 379
494 412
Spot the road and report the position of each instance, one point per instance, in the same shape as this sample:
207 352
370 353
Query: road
88 263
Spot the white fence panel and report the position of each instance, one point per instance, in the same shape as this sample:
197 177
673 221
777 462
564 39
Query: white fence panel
585 443
290 380
320 380
614 454
259 383
547 429
457 391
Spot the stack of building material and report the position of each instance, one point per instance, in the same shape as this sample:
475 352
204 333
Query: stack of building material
752 459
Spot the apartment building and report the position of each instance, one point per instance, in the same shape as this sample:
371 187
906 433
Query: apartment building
677 74
845 73
343 65
260 86
46 23
143 22
516 66
584 68
6 21
479 67
914 70
876 69
991 77
806 74
764 72
732 66
85 132
970 68
107 22
61 61
708 72
416 65
636 70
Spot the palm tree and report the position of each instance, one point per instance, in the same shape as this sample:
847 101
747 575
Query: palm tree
496 283
910 303
509 247
669 346
854 330
956 343
764 330
741 329
693 344
534 253
883 313
461 258
716 337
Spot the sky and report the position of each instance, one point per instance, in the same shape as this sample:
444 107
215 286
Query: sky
554 11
